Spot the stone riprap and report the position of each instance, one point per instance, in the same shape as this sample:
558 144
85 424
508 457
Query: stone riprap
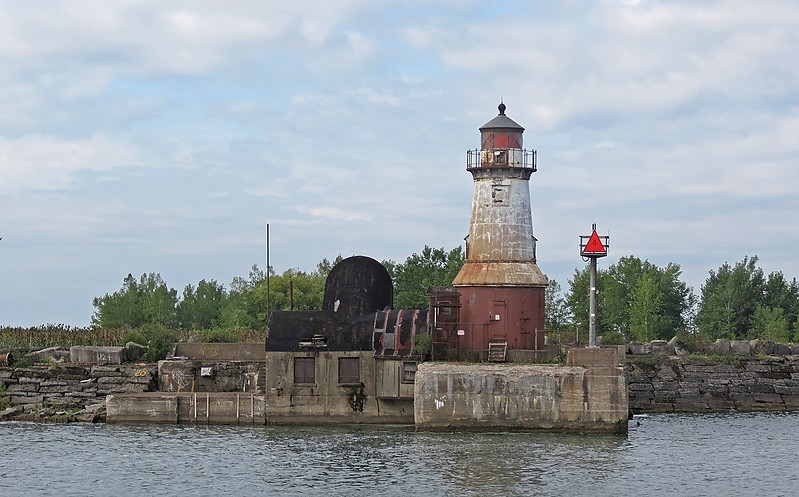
721 346
686 384
69 392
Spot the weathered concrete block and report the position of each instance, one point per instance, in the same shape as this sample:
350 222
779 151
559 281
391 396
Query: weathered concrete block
721 346
636 348
134 351
781 349
54 354
740 347
221 351
207 407
661 347
97 355
762 347
478 396
594 357
151 408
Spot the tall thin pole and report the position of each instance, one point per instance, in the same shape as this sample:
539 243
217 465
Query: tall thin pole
592 305
267 275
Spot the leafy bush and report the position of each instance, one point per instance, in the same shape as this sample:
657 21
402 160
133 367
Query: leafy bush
422 345
157 339
613 338
694 342
218 336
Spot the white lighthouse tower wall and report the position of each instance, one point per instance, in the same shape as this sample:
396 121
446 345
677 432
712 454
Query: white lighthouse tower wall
501 227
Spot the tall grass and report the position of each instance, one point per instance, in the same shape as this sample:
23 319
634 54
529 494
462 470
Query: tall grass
53 335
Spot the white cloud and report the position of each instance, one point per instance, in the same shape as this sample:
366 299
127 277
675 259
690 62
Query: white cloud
48 163
336 121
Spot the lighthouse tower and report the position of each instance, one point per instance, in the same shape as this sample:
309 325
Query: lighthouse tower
501 287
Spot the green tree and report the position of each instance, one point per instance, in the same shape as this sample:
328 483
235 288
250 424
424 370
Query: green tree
770 323
782 294
119 309
245 305
157 301
577 300
297 290
200 308
646 306
729 299
635 298
148 301
420 271
557 315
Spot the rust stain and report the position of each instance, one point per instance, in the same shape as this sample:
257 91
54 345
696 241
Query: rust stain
500 274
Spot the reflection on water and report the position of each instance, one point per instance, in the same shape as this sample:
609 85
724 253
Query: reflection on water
665 455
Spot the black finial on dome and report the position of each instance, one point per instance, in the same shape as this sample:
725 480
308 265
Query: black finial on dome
501 108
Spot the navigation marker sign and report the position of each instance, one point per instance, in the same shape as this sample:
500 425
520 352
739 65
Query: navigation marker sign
594 247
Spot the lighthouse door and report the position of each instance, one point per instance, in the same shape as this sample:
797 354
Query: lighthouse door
498 320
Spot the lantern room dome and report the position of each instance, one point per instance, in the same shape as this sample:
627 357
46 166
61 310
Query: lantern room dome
501 122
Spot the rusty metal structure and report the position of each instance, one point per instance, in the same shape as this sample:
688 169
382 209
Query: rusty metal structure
501 287
356 315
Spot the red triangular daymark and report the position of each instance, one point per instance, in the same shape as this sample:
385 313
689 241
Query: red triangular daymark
594 245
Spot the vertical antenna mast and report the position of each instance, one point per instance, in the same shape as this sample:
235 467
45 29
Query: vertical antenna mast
267 276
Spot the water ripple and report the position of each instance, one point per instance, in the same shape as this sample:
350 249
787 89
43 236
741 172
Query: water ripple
741 454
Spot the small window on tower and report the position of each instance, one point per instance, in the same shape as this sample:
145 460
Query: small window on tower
499 195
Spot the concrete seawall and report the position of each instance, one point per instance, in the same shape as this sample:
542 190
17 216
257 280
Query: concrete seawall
450 395
197 408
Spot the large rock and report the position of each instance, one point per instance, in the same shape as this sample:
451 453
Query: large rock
11 412
740 347
722 346
675 344
661 347
781 349
636 348
52 354
762 347
134 351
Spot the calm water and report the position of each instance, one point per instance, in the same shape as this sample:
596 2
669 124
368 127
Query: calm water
739 454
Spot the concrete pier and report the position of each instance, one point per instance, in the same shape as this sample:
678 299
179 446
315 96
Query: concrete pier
589 394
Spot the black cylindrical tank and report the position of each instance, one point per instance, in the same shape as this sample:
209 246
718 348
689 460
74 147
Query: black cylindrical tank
357 286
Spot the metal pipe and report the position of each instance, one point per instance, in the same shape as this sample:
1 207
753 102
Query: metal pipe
7 359
592 305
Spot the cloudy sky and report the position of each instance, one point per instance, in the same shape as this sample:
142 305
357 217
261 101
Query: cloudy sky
147 136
